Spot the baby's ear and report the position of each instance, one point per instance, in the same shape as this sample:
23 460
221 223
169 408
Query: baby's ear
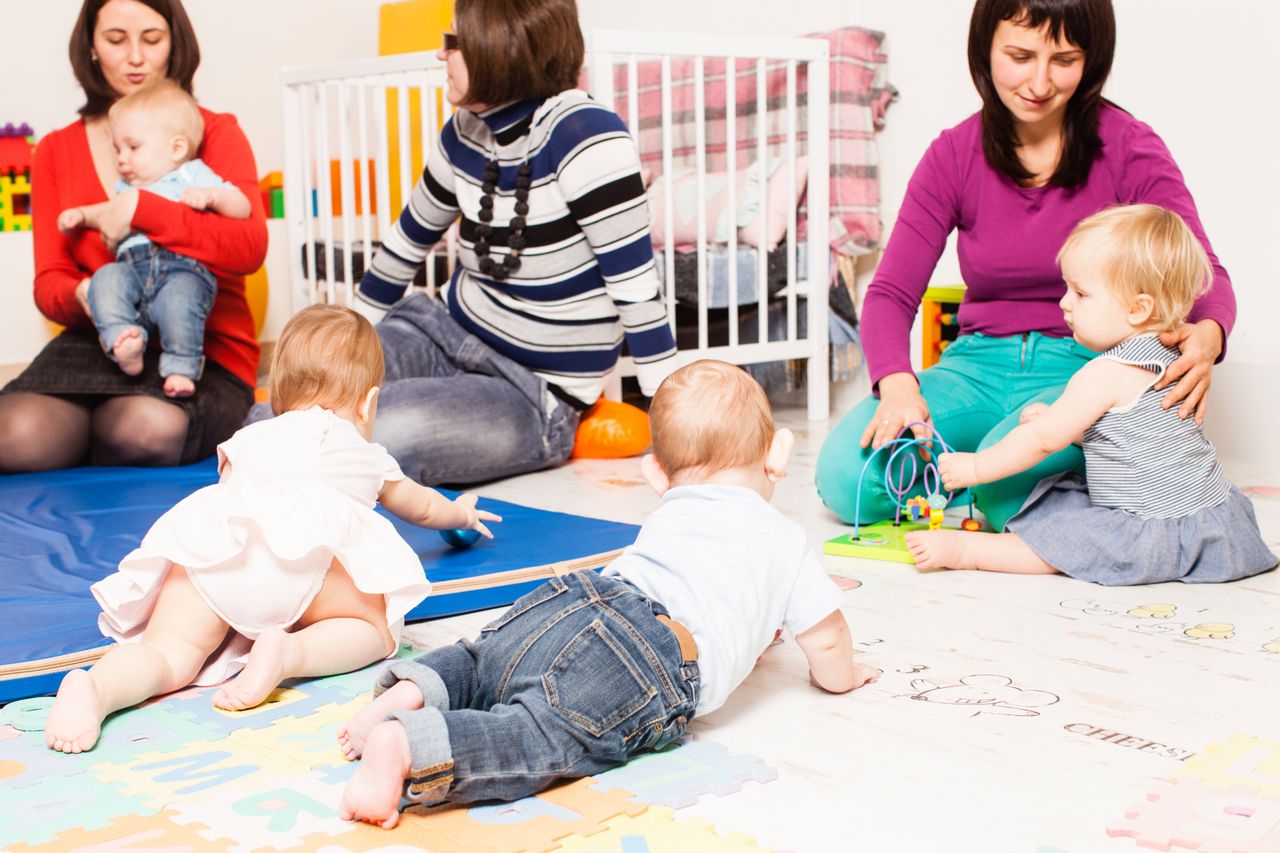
369 405
1141 309
651 470
775 461
181 148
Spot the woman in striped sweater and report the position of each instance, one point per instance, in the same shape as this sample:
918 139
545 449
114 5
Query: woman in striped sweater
555 265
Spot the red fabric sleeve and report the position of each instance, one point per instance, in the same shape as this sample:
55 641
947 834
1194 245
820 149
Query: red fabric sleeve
226 246
60 262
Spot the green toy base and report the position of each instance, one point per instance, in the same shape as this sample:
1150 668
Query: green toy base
879 541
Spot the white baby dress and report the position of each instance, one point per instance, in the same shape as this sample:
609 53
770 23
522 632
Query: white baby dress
301 492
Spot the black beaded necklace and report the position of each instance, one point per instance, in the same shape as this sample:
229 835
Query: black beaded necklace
516 242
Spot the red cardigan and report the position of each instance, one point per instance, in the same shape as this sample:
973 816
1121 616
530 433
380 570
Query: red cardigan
63 176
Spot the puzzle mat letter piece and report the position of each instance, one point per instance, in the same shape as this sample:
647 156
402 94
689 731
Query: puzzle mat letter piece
1241 761
35 814
676 777
532 824
124 737
272 812
128 833
656 831
162 778
301 744
1207 820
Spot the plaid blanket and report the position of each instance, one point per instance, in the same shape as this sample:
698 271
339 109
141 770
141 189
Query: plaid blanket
860 95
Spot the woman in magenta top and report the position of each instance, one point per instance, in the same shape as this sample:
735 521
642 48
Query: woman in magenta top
1044 152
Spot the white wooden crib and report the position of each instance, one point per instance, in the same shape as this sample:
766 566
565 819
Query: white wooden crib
355 133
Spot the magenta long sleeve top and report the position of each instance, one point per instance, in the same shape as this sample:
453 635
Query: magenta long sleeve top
1010 235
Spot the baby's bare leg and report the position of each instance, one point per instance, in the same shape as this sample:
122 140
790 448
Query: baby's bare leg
373 794
988 552
343 629
181 634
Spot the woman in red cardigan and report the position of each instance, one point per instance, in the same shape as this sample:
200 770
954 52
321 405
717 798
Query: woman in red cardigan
72 405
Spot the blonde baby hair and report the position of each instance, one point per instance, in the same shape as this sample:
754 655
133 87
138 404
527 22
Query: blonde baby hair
1142 248
170 106
710 416
328 356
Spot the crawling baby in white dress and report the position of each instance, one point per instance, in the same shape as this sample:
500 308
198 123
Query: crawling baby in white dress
283 568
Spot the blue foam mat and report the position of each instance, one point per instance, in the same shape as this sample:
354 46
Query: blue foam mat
61 531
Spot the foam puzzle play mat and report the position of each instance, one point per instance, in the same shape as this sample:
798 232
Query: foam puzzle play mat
177 774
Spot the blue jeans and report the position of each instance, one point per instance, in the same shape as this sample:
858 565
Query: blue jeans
574 679
453 410
153 289
976 393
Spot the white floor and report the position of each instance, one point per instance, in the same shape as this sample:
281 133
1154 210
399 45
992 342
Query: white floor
1028 754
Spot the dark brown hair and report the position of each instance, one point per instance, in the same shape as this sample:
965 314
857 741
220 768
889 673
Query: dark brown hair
518 49
184 53
1089 25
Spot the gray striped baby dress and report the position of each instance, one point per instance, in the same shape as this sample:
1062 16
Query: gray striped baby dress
1154 504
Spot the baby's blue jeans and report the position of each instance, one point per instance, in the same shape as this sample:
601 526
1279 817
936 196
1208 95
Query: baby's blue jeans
976 393
576 677
155 290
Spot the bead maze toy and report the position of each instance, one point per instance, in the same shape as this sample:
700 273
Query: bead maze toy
884 540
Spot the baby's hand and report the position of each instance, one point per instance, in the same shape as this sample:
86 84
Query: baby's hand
475 518
1030 413
958 470
71 220
199 198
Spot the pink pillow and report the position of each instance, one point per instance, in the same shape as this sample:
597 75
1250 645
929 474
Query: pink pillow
770 229
755 227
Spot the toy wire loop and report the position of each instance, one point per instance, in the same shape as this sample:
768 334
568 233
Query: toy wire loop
909 466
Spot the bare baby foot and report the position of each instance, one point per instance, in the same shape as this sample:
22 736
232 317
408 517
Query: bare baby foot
403 696
939 549
76 717
373 794
128 351
864 674
261 675
178 386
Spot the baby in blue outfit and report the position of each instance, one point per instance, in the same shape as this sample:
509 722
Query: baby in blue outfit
157 132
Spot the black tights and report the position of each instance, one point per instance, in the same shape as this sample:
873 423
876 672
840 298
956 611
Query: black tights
39 432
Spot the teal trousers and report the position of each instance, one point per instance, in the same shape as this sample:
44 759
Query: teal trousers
975 394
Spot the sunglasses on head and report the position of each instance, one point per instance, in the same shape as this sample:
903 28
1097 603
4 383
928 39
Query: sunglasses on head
450 41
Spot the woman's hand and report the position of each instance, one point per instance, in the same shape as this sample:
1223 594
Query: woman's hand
900 404
1201 344
958 470
82 296
115 221
475 518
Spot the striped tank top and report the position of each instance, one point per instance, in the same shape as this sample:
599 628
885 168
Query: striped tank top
1144 459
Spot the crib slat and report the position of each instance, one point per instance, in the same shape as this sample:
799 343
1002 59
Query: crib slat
668 204
324 192
346 184
386 214
789 243
366 194
700 164
406 153
819 222
762 175
731 170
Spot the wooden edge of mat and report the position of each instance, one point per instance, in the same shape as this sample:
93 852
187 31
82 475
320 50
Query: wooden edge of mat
72 660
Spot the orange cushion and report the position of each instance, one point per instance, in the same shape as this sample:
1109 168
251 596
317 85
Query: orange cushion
611 430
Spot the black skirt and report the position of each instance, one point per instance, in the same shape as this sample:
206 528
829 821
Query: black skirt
74 367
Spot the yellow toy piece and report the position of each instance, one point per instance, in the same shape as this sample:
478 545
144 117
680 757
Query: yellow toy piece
935 518
15 202
409 26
